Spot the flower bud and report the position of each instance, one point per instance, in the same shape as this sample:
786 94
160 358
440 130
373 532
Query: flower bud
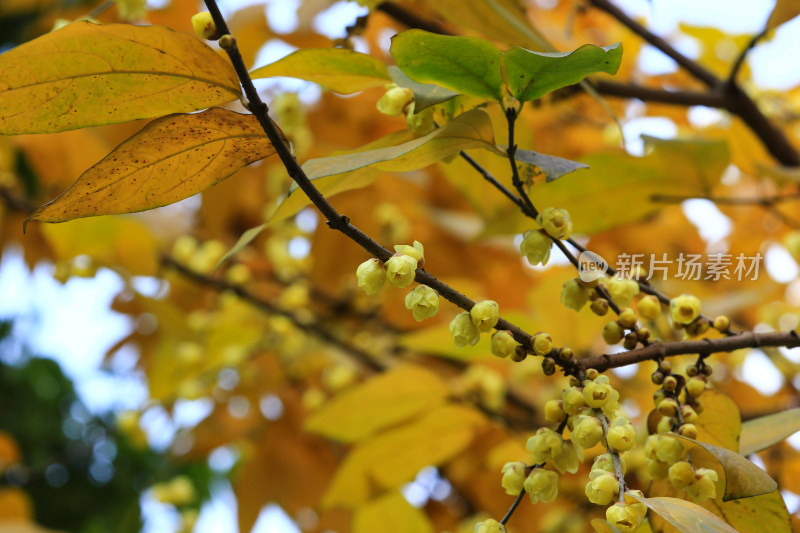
596 394
556 222
536 247
543 445
626 518
503 343
695 387
722 323
606 462
612 333
227 42
621 436
514 475
684 309
371 275
541 485
566 458
667 407
553 412
588 432
649 307
572 400
669 450
423 302
688 414
548 366
627 318
622 290
417 251
542 344
681 475
401 270
394 100
704 485
463 330
602 488
574 295
599 307
688 430
484 315
489 526
204 26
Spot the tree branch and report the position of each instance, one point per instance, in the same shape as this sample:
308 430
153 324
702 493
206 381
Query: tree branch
788 339
691 66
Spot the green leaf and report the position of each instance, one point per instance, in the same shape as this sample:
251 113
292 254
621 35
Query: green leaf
382 401
685 516
170 159
467 65
761 433
743 479
338 69
531 75
552 166
425 94
391 513
89 74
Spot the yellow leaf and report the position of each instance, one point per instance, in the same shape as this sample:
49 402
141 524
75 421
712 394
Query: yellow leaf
743 479
395 457
384 400
784 11
172 158
761 433
719 423
499 20
760 513
110 241
337 69
88 74
390 513
472 129
685 516
593 196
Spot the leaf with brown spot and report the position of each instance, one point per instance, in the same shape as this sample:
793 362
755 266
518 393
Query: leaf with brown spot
172 158
89 74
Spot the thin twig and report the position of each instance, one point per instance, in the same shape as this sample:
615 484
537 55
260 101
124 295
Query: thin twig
268 307
737 65
513 507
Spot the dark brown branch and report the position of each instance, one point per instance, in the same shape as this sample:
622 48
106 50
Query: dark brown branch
411 19
737 65
694 68
16 202
766 201
265 305
649 94
788 339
